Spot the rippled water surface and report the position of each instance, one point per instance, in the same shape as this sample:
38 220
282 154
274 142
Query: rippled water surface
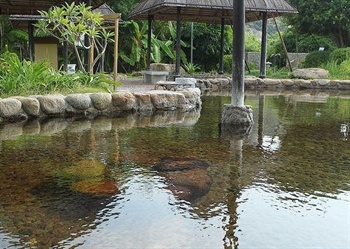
100 183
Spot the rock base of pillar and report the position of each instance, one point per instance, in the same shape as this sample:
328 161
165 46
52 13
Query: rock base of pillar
237 120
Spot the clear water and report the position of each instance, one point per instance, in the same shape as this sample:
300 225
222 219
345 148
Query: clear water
92 184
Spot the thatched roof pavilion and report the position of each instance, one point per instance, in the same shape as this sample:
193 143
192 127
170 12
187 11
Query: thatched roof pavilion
209 11
30 7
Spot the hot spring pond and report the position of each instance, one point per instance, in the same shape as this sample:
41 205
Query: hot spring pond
174 180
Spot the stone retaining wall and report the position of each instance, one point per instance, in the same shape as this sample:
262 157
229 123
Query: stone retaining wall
16 109
217 84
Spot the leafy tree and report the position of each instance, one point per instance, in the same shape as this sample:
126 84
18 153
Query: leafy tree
74 23
252 43
323 17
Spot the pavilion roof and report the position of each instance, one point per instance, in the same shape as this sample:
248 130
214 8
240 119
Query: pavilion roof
209 11
31 7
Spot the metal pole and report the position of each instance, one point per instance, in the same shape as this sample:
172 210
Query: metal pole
222 40
178 41
263 47
238 53
149 42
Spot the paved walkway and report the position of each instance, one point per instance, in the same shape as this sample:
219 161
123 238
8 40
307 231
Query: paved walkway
134 85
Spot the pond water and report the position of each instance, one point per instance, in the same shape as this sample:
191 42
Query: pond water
97 184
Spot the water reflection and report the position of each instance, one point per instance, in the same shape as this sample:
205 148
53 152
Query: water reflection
97 183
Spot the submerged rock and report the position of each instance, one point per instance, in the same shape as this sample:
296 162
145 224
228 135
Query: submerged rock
171 164
187 179
189 184
100 187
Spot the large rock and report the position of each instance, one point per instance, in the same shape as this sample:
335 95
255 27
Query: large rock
124 101
52 104
30 105
143 102
10 107
79 101
98 187
310 73
101 101
189 184
167 100
174 164
192 96
188 179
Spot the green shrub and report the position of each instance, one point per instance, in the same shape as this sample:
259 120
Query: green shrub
24 77
316 58
340 54
227 63
191 68
336 71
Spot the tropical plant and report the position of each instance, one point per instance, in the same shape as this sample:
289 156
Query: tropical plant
162 45
19 77
13 39
206 44
73 24
191 68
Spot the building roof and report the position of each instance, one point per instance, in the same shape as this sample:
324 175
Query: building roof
209 11
31 7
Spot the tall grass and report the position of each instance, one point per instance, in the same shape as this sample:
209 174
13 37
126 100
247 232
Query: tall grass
338 71
25 78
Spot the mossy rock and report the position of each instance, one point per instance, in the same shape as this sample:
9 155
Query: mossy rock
101 187
84 169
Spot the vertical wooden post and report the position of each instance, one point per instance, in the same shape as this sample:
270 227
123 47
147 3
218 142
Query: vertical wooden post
178 42
222 40
149 42
31 41
263 46
65 56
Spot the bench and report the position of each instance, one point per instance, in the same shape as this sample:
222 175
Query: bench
152 77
